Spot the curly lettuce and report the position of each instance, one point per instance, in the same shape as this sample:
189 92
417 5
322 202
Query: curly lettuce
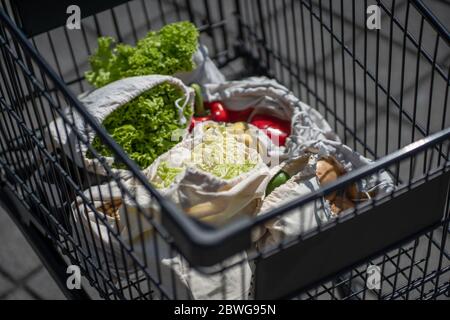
165 52
143 127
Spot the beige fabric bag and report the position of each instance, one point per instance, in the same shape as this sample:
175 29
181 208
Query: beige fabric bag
100 103
313 214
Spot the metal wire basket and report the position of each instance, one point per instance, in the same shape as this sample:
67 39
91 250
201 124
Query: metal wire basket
384 91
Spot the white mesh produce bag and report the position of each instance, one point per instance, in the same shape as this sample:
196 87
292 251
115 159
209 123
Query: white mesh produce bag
100 103
313 214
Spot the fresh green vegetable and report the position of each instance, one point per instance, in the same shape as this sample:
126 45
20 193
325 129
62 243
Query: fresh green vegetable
288 170
277 180
166 52
219 153
222 158
199 107
143 127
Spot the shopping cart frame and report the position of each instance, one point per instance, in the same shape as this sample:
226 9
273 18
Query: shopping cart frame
200 244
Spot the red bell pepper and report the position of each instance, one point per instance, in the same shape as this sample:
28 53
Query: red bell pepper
276 129
239 116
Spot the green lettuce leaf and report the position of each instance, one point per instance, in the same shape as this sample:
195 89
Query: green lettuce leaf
219 153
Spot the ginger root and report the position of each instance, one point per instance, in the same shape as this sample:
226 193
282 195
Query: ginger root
328 169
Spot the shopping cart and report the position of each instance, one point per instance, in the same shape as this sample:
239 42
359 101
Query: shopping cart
384 91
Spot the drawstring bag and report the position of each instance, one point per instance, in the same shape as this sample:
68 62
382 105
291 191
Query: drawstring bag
382 182
314 213
198 177
307 217
267 96
205 71
100 103
110 212
106 220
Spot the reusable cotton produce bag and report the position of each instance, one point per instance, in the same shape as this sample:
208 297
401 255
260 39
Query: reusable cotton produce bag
120 215
313 214
205 70
100 103
194 189
267 96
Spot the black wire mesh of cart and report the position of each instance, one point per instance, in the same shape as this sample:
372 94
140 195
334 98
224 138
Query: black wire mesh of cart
384 91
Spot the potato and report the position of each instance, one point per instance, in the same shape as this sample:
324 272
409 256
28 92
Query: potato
327 172
328 169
